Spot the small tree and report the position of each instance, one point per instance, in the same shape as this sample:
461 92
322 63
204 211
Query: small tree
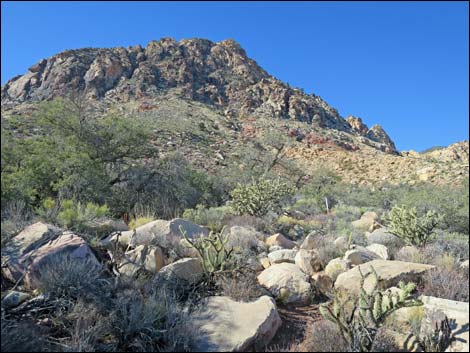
359 318
259 197
412 228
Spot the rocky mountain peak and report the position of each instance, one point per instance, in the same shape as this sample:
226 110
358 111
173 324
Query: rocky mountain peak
375 133
219 74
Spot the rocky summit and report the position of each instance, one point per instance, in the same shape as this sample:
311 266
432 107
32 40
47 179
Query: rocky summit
203 83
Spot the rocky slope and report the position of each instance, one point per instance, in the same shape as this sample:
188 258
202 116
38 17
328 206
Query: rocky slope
219 74
207 98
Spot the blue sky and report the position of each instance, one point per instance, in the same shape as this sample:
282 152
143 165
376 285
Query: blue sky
403 65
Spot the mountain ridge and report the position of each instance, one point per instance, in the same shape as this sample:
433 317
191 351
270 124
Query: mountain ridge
181 86
216 73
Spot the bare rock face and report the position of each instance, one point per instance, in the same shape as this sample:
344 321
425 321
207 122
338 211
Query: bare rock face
225 325
219 74
357 125
377 133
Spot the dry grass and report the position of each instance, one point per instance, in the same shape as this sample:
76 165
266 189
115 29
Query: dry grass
324 336
446 283
241 286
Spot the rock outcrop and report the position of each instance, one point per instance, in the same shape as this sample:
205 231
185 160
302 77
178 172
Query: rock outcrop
219 74
389 273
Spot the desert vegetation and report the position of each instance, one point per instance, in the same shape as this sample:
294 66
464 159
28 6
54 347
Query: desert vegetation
110 242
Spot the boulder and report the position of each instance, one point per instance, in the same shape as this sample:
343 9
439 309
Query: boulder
149 258
464 265
308 261
337 266
341 242
149 233
322 282
286 282
14 298
359 255
366 221
265 262
188 270
308 243
381 236
284 255
29 239
275 248
67 245
389 273
380 250
280 240
224 325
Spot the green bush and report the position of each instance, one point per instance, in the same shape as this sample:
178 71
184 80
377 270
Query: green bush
213 217
139 221
71 214
260 196
412 228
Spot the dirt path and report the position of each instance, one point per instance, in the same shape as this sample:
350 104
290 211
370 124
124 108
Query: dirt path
295 324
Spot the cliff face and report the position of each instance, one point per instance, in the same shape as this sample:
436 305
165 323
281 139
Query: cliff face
219 74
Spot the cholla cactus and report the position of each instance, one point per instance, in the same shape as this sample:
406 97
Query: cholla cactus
359 318
413 229
437 338
212 250
259 197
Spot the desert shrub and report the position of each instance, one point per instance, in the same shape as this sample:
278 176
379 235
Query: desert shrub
347 213
139 221
321 189
452 202
14 218
447 283
295 228
20 336
245 240
214 217
455 244
412 228
326 248
323 336
64 276
385 342
240 286
260 196
71 214
261 224
306 205
149 323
